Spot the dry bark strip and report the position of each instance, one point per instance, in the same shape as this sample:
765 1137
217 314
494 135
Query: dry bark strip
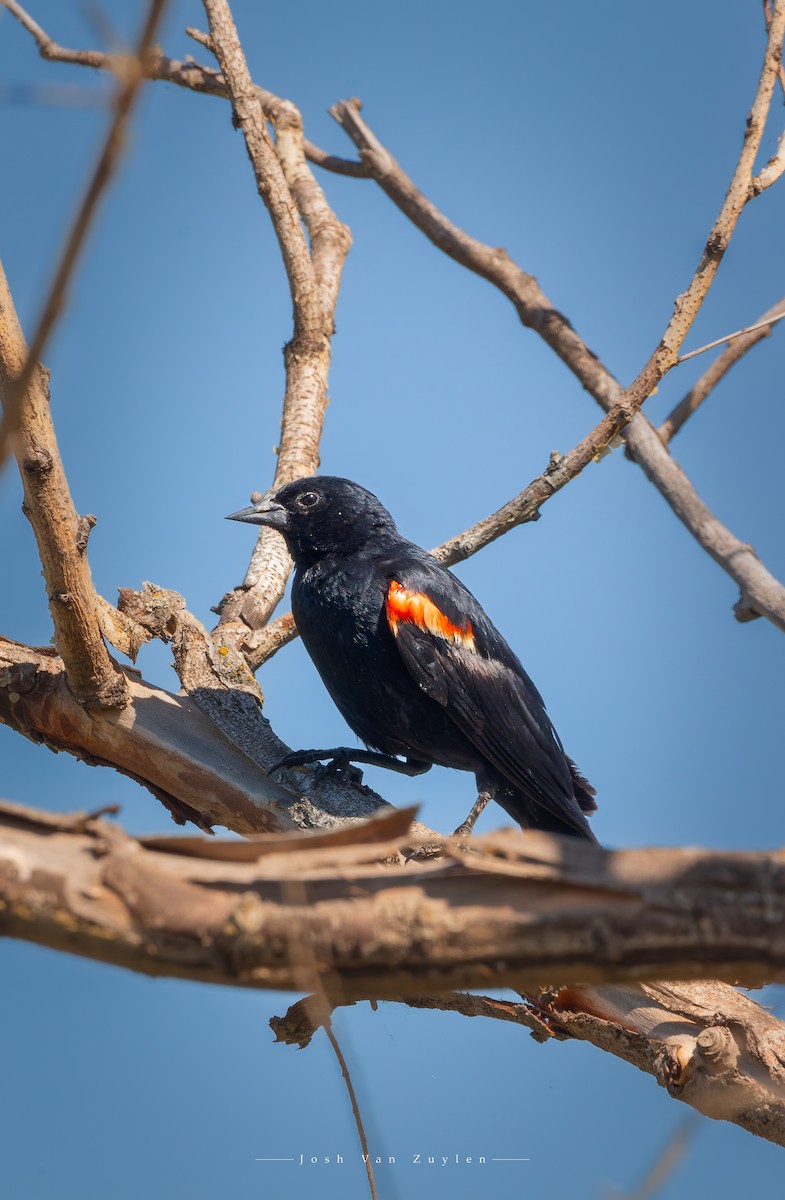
519 910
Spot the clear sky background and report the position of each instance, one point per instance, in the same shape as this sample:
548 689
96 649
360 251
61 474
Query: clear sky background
594 142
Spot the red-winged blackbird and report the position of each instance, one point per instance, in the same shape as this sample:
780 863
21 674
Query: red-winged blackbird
412 661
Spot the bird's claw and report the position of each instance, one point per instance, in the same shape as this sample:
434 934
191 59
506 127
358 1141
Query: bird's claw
339 764
336 763
290 760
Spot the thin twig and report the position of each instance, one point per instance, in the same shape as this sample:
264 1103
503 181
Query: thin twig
319 1006
328 1029
130 76
771 318
296 1026
667 1160
741 342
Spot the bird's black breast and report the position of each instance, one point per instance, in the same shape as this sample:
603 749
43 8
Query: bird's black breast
339 609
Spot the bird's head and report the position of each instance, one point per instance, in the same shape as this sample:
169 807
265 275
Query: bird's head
320 515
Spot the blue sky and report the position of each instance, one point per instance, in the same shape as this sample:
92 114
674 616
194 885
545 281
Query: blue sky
595 145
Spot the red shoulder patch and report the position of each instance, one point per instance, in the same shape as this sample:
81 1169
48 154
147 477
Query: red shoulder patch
415 608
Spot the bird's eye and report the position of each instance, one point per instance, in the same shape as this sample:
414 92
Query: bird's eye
307 500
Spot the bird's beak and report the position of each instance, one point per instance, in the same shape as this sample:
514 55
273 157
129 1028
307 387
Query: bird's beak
264 512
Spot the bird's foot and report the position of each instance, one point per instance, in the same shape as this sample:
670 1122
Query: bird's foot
339 763
340 759
424 853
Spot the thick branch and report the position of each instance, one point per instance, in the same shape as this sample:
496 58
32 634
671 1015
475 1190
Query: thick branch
162 741
518 910
205 756
60 532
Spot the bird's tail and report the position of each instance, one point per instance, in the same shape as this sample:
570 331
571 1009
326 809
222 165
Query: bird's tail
534 816
584 792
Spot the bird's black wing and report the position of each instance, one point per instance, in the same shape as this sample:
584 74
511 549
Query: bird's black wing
459 659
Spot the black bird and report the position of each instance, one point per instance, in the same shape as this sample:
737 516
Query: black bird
412 661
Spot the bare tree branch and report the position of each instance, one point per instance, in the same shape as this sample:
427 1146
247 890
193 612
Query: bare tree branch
510 910
188 74
667 1161
130 79
766 323
206 756
162 741
526 505
264 643
61 534
289 192
270 181
217 679
743 341
761 593
517 910
743 188
707 1044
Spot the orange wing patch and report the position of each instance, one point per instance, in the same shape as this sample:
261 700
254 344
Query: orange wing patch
415 608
